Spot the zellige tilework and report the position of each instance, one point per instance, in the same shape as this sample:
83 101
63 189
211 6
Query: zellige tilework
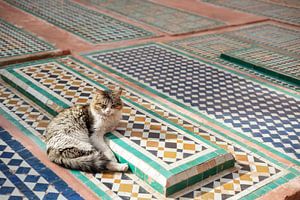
165 18
17 42
259 7
271 35
252 170
274 63
236 102
142 137
90 25
23 176
212 45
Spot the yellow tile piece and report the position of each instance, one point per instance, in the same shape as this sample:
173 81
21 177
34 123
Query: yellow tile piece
228 186
263 169
168 154
155 127
152 144
125 188
241 157
171 136
207 196
189 146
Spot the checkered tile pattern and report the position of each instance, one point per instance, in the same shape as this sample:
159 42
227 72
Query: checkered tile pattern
85 23
280 38
165 18
26 112
263 8
268 116
156 137
16 42
248 162
61 82
124 186
22 175
212 45
270 60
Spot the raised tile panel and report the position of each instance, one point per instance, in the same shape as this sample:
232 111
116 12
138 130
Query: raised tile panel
279 12
165 18
88 24
17 42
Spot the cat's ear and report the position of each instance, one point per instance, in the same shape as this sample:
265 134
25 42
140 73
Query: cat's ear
118 92
98 93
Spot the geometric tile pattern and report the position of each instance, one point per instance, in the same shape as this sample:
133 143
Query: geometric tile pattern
90 25
155 137
166 146
165 18
29 114
281 64
268 9
247 177
212 45
16 42
281 38
23 176
124 185
256 111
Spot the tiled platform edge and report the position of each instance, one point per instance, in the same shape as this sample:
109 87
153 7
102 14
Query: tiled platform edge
276 64
265 35
17 42
23 176
278 12
246 107
161 153
254 173
88 24
167 19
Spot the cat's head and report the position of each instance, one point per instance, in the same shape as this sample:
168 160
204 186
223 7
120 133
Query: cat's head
107 102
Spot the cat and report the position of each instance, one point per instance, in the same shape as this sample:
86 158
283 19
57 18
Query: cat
75 137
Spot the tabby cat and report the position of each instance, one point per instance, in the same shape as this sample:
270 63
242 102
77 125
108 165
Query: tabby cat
75 137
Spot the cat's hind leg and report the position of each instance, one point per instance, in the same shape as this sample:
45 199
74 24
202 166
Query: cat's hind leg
114 166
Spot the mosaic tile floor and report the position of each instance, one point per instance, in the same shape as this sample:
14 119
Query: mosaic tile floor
89 25
259 7
268 61
23 176
158 15
265 35
17 42
253 174
194 126
180 156
235 101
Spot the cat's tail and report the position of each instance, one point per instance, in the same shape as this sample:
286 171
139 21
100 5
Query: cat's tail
74 158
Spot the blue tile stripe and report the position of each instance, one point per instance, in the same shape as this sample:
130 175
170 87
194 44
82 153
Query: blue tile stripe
43 171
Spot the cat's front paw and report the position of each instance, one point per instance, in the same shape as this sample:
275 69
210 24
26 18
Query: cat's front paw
123 167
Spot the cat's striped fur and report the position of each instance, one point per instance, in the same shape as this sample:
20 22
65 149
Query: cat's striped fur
75 137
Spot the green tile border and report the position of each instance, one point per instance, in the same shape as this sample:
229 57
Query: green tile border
28 34
167 174
193 110
147 33
260 68
79 175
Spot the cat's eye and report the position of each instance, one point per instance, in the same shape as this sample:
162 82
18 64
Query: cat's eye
103 106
